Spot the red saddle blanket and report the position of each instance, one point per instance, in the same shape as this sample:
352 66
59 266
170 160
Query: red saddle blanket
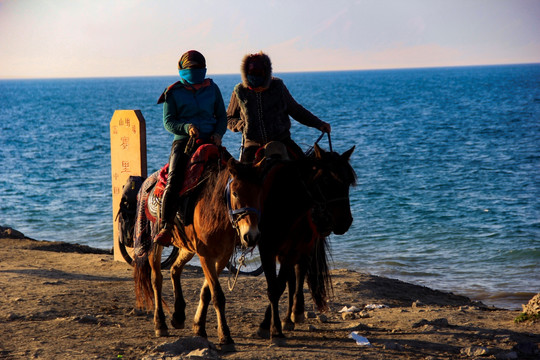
194 169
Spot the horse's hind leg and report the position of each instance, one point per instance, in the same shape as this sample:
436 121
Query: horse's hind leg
297 310
160 326
287 322
179 316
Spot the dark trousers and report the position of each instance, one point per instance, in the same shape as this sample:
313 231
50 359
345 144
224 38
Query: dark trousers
177 165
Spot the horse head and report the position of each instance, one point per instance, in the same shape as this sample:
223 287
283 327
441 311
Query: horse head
331 177
243 195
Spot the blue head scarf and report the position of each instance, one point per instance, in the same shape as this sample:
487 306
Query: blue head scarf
192 76
192 67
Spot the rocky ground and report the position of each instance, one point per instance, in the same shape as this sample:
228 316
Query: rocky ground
64 301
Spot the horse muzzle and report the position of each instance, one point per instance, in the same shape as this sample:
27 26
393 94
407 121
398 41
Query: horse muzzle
249 236
342 226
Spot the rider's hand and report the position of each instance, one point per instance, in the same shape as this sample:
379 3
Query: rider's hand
325 127
193 131
216 139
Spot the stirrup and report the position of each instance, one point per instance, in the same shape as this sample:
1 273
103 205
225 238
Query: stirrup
164 237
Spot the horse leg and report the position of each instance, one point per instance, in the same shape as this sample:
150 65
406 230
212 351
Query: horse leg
269 267
199 322
298 309
287 322
160 326
218 297
276 287
179 316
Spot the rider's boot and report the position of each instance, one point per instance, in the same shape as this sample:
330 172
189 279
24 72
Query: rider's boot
170 199
168 213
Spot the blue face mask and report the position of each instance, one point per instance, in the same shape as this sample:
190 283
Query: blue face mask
256 81
192 76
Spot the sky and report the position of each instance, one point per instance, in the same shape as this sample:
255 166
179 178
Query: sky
110 38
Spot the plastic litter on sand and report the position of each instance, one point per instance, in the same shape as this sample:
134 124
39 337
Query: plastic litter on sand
360 340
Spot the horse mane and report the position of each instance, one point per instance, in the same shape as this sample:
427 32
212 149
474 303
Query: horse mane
213 193
212 196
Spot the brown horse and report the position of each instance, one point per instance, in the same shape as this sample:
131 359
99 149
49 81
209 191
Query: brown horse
308 199
226 215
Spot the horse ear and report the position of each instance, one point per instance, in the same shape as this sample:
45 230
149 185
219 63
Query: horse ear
347 154
318 151
232 166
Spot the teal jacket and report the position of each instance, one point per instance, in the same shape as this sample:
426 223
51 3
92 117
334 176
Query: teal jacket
184 105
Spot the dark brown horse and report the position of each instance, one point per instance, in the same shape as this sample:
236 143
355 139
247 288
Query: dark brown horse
226 215
307 200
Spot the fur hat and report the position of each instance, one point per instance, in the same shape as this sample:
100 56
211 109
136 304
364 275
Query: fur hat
256 64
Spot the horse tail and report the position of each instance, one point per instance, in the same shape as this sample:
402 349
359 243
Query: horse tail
318 274
142 271
142 275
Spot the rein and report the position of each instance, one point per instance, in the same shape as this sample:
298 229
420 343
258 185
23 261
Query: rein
236 215
310 150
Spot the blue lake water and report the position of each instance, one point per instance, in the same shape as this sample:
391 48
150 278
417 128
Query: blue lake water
448 165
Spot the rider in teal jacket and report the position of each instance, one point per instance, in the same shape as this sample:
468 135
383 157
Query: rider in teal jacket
203 109
192 107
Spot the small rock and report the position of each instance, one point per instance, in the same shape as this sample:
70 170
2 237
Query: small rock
322 318
136 312
191 347
533 306
12 316
201 354
418 304
393 346
475 351
85 319
441 322
56 282
312 328
363 315
310 315
348 316
420 323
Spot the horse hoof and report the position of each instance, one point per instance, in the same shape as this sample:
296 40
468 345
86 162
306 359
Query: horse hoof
227 348
263 333
298 318
287 326
162 332
177 324
279 341
199 332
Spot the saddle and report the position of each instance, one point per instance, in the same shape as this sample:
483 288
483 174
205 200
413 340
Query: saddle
193 177
272 150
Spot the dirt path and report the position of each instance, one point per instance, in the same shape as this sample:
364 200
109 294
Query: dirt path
63 301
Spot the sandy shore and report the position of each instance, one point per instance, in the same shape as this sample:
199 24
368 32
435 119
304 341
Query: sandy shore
64 301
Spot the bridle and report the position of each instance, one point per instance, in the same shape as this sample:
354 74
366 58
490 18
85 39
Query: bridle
235 215
320 201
